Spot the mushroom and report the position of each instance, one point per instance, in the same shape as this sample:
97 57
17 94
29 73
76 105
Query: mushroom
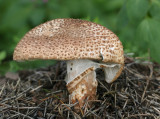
84 45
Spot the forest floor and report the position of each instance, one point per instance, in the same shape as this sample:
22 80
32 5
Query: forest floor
42 94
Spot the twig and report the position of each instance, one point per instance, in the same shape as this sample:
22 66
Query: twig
2 89
138 115
18 113
136 74
102 85
158 111
36 88
16 96
144 92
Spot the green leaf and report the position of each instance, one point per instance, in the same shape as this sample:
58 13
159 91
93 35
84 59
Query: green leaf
37 16
122 19
4 68
15 16
144 31
112 5
137 9
155 9
148 35
2 55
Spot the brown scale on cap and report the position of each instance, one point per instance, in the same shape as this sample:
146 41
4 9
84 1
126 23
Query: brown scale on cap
66 39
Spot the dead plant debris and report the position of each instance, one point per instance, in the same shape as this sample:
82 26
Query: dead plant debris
42 94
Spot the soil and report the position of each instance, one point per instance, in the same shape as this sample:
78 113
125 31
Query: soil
42 94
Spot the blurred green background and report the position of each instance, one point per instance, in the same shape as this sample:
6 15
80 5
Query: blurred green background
136 22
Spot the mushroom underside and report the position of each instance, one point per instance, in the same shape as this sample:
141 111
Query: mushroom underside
81 78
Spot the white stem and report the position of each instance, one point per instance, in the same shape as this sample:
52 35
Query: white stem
77 67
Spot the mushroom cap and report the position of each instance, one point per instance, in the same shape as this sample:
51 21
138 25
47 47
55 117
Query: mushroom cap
68 39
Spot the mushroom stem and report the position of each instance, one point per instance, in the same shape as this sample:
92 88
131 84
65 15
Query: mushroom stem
81 81
83 88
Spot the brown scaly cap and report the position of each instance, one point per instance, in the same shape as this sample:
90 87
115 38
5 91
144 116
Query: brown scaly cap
67 39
